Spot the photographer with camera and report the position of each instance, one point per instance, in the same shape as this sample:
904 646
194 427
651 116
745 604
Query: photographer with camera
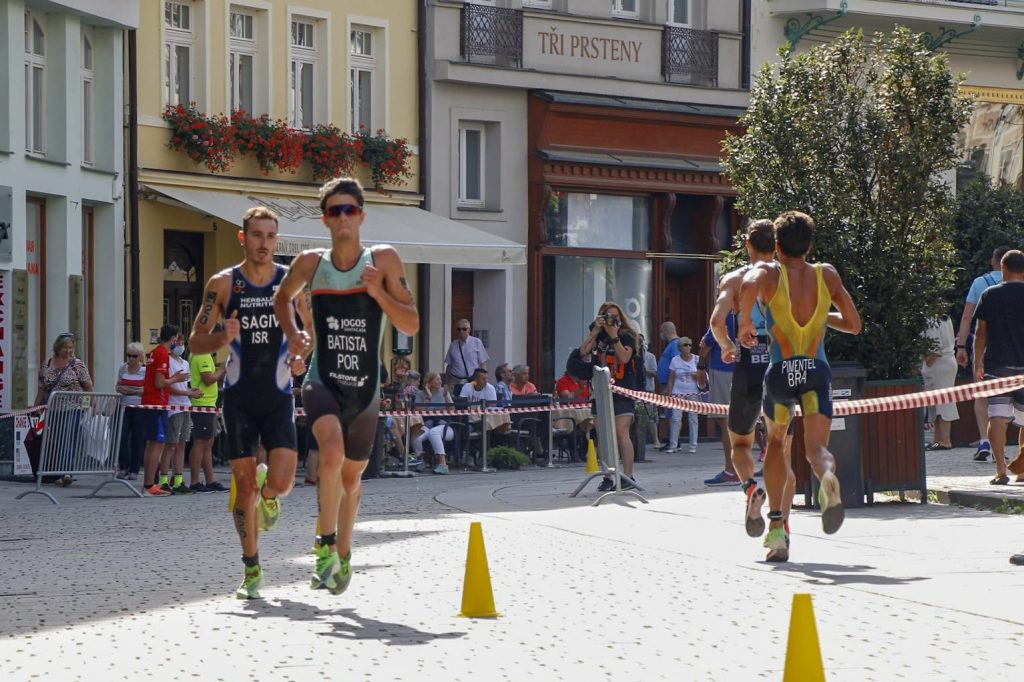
612 343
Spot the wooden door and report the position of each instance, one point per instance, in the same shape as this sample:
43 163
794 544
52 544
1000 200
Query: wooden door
462 298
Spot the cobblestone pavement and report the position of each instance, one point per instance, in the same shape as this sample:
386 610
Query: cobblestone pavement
120 588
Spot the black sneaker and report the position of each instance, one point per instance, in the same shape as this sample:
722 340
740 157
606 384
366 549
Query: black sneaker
215 487
606 485
167 488
626 482
198 487
664 447
182 490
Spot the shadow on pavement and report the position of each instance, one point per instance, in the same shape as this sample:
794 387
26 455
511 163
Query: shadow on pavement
345 623
839 574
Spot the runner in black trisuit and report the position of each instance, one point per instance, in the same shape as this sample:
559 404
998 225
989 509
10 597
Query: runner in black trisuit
748 378
258 403
354 289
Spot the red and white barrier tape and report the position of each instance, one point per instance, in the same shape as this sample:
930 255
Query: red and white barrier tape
425 412
27 410
908 401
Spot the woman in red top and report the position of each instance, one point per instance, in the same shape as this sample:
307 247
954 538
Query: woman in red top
567 388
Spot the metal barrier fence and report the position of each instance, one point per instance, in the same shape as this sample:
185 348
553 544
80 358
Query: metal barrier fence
81 435
607 442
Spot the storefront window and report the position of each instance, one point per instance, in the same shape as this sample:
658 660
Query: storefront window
575 287
598 221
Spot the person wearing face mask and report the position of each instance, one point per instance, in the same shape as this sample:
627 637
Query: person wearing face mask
179 423
156 391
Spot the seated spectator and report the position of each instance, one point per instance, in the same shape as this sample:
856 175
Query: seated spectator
503 375
412 385
568 388
478 388
521 384
434 428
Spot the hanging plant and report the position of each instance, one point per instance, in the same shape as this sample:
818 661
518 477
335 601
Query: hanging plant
387 157
274 144
330 152
206 140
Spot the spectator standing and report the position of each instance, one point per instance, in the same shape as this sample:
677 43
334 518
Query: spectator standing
63 371
939 371
155 392
964 344
684 379
671 341
650 385
999 352
612 343
465 354
179 422
131 377
720 388
435 429
206 376
521 384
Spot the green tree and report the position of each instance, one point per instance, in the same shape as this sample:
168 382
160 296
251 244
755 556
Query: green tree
987 216
857 133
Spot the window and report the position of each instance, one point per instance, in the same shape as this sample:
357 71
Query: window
598 221
679 13
35 85
179 41
302 74
242 61
540 4
87 96
471 164
625 8
361 79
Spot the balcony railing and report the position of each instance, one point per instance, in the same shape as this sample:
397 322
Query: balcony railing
690 56
492 35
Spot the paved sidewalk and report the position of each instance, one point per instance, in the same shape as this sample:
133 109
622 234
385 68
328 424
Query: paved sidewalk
126 589
955 478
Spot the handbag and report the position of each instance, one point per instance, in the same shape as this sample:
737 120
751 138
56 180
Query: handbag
56 381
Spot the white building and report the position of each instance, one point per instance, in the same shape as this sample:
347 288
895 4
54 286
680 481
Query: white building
983 39
61 185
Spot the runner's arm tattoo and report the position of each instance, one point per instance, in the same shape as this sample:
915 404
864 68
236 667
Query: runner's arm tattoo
204 316
405 285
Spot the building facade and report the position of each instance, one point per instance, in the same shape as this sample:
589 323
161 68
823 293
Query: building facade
982 39
318 68
589 130
61 186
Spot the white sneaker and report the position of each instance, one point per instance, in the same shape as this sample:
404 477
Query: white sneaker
692 449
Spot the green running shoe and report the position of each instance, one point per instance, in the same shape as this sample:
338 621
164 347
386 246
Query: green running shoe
267 511
777 542
831 502
344 576
250 587
325 574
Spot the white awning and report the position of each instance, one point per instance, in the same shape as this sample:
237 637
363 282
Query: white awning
418 235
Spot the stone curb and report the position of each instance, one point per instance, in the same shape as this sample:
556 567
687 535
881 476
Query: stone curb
973 499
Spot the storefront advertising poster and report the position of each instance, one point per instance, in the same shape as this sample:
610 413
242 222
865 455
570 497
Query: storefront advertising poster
23 424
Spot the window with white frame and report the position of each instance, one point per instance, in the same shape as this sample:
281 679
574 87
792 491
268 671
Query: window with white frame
472 149
362 78
178 48
625 8
303 73
680 12
35 84
88 106
243 49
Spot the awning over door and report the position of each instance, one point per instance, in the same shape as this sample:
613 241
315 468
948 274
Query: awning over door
418 235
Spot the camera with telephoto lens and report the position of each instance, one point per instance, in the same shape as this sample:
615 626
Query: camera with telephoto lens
611 320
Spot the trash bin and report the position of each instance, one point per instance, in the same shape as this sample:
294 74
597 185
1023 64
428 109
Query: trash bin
845 440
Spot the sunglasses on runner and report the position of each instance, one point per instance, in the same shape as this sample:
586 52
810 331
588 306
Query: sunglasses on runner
347 209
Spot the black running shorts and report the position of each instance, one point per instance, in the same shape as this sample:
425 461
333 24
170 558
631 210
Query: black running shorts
358 429
804 380
251 423
747 390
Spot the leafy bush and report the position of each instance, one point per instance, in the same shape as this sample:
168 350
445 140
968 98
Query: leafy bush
506 457
857 133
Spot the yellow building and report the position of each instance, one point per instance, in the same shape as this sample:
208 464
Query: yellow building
350 65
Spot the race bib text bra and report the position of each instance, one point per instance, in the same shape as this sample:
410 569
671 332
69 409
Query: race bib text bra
257 359
349 327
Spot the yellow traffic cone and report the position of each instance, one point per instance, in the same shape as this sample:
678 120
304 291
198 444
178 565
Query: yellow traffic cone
592 467
803 655
231 495
477 597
